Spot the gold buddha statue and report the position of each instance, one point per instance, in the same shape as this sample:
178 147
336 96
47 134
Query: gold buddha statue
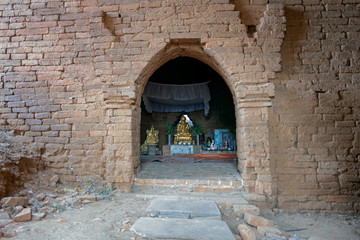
152 138
183 135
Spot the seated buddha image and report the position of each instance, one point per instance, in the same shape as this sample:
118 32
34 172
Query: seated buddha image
152 139
152 136
183 135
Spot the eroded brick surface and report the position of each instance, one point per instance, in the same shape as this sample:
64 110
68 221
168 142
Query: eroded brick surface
72 74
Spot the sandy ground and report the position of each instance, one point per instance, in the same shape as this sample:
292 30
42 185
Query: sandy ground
317 226
112 218
105 219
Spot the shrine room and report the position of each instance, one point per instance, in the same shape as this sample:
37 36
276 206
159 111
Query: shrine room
186 88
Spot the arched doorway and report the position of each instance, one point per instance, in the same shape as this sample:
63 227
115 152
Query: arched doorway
184 71
218 124
250 91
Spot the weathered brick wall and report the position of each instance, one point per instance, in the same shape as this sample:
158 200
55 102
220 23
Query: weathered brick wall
72 74
314 121
50 91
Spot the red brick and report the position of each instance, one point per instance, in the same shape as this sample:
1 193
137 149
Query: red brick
7 33
41 24
20 110
257 220
88 3
246 232
40 128
241 209
315 206
24 215
31 84
49 11
51 140
16 104
338 199
8 115
33 121
14 201
61 127
49 108
272 230
18 56
69 114
15 121
42 115
73 16
32 31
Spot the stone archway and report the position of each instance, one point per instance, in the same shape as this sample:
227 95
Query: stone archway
251 110
245 63
180 48
220 113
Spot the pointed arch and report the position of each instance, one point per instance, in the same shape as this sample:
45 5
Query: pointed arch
176 49
173 50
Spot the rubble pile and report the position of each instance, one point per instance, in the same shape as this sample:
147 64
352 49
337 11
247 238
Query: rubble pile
17 162
27 205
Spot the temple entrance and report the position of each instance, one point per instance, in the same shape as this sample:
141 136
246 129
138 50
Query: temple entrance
208 150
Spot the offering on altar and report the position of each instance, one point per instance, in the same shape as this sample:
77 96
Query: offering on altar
212 145
226 145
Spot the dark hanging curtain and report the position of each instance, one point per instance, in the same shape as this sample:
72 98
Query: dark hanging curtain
176 98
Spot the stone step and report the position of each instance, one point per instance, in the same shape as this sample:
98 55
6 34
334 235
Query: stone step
189 177
184 208
183 218
189 185
223 199
180 228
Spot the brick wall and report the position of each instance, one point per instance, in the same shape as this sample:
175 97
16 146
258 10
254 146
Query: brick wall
315 127
314 118
72 74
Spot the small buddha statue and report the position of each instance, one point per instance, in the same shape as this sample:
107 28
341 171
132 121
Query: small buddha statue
183 135
152 138
208 144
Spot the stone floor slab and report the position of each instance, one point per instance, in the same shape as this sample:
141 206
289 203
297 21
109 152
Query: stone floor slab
184 208
201 171
179 228
226 199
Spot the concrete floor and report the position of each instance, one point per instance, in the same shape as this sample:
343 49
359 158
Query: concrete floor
203 176
202 170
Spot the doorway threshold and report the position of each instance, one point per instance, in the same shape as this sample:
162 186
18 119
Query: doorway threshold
206 176
191 158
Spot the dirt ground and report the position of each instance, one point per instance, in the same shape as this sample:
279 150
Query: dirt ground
317 226
113 215
112 218
105 219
